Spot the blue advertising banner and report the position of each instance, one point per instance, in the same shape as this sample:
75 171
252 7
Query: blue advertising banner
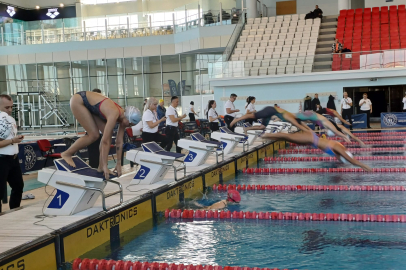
173 88
389 120
358 121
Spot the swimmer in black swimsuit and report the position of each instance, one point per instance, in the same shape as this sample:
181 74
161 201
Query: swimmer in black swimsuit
266 113
101 116
332 148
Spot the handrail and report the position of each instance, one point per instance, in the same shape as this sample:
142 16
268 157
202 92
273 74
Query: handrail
232 42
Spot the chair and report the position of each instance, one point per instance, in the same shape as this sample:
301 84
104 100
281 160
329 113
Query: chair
47 150
280 70
263 71
298 68
271 70
290 69
307 68
133 139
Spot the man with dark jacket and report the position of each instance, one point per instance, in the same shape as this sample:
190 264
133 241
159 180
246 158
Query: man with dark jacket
330 103
317 12
315 101
307 106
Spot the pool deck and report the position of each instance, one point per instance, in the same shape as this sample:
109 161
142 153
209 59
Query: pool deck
18 226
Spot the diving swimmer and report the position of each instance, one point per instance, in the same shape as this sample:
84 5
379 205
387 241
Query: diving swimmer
95 113
266 113
331 148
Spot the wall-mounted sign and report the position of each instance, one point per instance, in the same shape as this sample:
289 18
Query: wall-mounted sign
11 11
52 13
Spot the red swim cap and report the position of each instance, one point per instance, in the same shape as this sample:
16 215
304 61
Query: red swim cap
233 196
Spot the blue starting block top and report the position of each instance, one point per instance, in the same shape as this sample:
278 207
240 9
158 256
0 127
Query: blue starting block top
153 147
226 130
81 168
199 137
246 124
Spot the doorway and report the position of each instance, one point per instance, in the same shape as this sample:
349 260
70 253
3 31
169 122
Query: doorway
384 98
286 7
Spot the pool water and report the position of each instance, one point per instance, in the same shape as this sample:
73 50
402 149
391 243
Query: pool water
288 243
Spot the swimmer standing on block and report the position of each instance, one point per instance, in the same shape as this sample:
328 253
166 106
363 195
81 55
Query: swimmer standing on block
266 113
331 148
97 113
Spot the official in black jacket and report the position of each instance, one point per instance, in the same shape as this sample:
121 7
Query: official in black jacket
315 101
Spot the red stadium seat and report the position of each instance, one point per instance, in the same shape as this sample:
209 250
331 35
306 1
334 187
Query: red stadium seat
343 12
375 47
401 7
359 11
367 11
346 64
385 46
395 46
393 8
350 12
384 9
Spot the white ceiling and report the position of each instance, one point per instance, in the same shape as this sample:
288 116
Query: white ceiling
42 3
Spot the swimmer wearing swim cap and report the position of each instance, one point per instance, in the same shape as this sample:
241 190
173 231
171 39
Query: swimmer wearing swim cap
95 113
233 196
329 147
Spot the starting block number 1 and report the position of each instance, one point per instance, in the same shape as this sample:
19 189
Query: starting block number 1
59 200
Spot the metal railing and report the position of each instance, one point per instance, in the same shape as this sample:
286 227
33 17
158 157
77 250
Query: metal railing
305 64
234 37
85 29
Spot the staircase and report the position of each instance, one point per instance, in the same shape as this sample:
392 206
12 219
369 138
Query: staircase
55 108
323 58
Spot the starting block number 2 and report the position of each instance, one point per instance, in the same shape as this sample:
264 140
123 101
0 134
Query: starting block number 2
142 172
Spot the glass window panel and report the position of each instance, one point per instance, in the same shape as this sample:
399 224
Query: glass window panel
46 77
115 77
134 82
97 71
152 77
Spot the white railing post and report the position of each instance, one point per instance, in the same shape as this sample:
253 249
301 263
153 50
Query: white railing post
221 13
22 35
173 22
105 28
84 30
150 25
63 31
185 18
128 26
198 15
42 33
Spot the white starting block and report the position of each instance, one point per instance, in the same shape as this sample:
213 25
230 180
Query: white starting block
284 126
243 142
199 149
252 134
154 163
77 189
229 141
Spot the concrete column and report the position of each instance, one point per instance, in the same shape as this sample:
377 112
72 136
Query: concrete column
251 9
343 4
189 74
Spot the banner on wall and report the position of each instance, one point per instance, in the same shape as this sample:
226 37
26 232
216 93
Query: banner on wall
389 120
173 88
358 121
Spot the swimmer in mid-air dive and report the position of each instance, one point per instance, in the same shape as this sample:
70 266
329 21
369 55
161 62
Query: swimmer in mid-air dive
331 148
322 121
97 113
233 196
265 114
337 121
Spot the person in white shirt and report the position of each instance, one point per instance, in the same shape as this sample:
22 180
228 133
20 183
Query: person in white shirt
366 107
192 112
171 130
404 103
213 116
346 110
250 108
150 123
9 163
230 111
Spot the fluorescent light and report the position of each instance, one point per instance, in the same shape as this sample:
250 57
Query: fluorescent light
61 5
36 7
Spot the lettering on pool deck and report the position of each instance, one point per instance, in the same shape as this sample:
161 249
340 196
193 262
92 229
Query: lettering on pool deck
181 189
111 222
20 265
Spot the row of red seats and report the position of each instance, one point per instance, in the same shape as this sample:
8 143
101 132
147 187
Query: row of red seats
341 62
374 10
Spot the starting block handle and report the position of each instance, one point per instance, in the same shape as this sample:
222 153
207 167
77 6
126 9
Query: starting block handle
175 170
154 162
200 148
104 196
233 140
212 151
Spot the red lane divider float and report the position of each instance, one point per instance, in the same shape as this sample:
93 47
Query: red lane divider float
300 159
94 264
353 150
267 171
307 187
375 138
209 214
378 134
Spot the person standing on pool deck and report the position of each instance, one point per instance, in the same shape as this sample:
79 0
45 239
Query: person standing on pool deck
213 116
9 163
332 148
150 123
250 108
171 130
192 112
366 107
346 104
230 111
95 113
266 113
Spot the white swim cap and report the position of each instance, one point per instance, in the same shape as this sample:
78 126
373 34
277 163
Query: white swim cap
132 114
343 160
330 133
